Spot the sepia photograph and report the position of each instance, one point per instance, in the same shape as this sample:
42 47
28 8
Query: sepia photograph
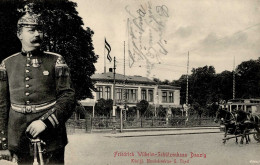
128 82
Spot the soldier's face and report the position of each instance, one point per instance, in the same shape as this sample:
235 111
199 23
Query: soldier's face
30 37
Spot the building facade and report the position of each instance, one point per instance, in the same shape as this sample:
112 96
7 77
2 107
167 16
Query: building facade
130 90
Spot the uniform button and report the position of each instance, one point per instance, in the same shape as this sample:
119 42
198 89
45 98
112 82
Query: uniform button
27 78
27 94
27 71
28 65
27 102
4 146
28 59
27 86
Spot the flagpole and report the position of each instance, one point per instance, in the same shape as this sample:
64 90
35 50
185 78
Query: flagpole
234 80
104 57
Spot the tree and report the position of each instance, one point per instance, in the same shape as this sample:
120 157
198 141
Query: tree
248 79
131 112
213 109
197 108
63 34
176 112
142 106
161 111
201 84
158 81
182 82
223 85
166 82
206 87
149 111
103 107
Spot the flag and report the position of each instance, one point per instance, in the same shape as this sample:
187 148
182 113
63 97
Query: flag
108 48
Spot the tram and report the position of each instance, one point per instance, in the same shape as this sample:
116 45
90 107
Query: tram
247 105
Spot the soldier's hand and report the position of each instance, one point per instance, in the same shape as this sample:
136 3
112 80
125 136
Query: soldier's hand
35 128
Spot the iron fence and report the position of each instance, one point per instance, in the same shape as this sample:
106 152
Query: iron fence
154 122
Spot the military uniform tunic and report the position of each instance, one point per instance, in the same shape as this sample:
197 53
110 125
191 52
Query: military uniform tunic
34 85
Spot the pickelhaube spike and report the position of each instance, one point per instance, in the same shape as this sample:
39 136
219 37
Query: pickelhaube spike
29 18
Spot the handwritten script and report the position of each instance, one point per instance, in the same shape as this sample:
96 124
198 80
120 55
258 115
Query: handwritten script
146 27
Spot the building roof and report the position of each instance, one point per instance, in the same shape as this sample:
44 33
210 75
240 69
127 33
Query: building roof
168 87
120 78
109 77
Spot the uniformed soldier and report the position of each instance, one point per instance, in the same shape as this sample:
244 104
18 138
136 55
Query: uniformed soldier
36 97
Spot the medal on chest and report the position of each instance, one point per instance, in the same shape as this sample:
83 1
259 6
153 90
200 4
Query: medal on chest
35 63
46 73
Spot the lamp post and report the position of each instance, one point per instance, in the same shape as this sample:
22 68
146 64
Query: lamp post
114 99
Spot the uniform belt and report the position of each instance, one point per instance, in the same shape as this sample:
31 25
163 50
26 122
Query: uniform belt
32 108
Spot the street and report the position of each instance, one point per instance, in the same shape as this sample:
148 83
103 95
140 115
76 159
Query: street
163 148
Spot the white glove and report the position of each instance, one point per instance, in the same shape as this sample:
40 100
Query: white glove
36 127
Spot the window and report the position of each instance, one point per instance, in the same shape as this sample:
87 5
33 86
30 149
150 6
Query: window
133 92
118 94
99 92
171 97
164 97
143 94
107 94
150 95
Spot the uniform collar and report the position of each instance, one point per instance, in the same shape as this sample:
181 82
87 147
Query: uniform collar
35 52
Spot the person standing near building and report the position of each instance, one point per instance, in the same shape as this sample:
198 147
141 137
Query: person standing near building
36 97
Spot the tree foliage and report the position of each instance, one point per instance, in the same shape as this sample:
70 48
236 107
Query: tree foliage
201 84
131 112
103 107
142 106
248 79
176 112
149 111
161 111
206 88
63 34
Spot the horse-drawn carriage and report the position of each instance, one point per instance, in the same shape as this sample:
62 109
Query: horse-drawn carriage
240 118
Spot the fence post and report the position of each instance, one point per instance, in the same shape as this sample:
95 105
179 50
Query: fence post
121 120
88 121
91 122
141 122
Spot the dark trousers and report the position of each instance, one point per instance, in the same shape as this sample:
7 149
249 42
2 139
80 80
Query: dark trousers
50 158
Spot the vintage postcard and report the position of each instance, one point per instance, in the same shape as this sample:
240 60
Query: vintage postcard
172 81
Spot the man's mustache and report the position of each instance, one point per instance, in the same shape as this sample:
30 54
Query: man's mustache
36 40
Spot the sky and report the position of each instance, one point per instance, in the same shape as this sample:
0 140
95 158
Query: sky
155 38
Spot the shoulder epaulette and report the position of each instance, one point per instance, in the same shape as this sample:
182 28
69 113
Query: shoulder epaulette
3 74
11 56
55 54
61 68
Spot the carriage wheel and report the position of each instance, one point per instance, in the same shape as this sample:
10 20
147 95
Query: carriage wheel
257 136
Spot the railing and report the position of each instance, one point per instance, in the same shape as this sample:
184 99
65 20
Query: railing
154 122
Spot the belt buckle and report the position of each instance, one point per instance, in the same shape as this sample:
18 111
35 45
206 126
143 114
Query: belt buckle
28 108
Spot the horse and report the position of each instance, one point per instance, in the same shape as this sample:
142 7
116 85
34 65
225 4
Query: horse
243 123
254 121
250 122
229 121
